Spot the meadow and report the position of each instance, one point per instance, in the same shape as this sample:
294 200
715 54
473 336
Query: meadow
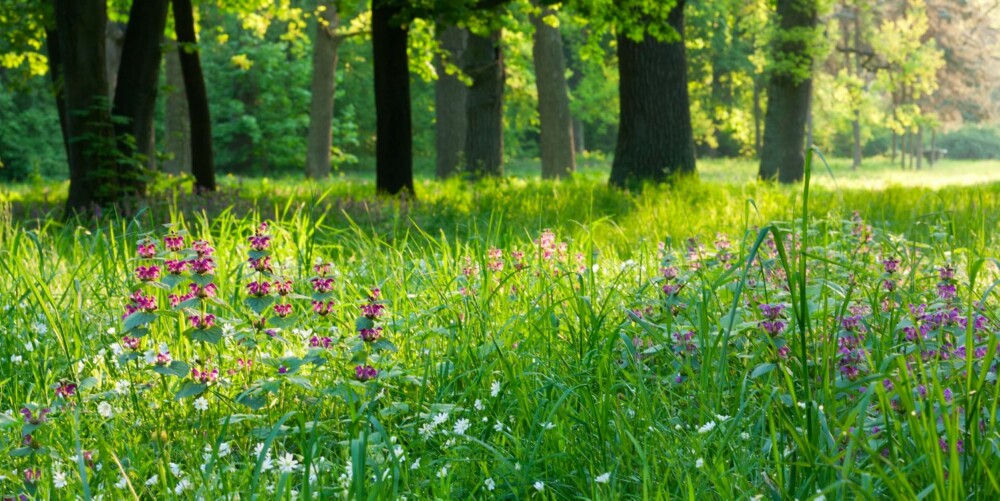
713 339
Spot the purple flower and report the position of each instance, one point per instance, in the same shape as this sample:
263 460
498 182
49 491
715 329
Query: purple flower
772 327
772 311
365 373
370 335
173 243
283 310
946 291
322 284
146 250
890 264
30 418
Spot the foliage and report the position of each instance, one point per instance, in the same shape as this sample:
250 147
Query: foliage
971 142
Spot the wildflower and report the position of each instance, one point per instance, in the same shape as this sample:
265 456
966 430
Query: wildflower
946 291
202 322
173 242
443 472
151 481
369 335
478 405
548 426
35 419
461 426
440 418
283 310
946 273
322 269
183 485
59 479
201 404
147 273
259 289
365 373
32 475
283 288
320 342
203 248
203 265
890 264
209 290
603 478
287 463
65 389
203 376
261 265
490 484
322 284
322 308
146 250
259 242
372 310
539 485
494 388
160 356
699 463
415 465
105 410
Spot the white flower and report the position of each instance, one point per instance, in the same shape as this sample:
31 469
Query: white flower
121 483
721 417
495 389
517 466
59 479
16 359
29 347
498 427
112 331
440 418
121 387
182 486
443 472
151 481
539 485
490 484
819 496
415 465
603 478
461 426
175 469
707 427
287 463
105 410
548 425
201 404
427 430
745 436
478 405
699 463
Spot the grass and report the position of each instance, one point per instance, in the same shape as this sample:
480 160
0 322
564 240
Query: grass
712 339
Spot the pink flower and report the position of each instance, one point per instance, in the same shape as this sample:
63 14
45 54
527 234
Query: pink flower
202 322
203 248
369 335
176 266
35 419
259 289
65 389
372 310
322 309
283 288
260 242
203 376
131 343
283 310
322 269
32 475
365 373
209 290
261 265
173 242
322 285
203 265
146 250
320 342
147 273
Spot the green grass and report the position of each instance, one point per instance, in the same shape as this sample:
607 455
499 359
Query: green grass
588 369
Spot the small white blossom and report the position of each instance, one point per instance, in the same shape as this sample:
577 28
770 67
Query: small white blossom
603 478
59 479
440 418
539 485
182 486
478 405
287 463
707 427
548 425
495 389
461 426
151 481
201 404
699 463
745 436
490 484
443 472
105 410
415 465
121 483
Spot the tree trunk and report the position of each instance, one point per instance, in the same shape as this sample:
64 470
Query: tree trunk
484 105
55 73
138 83
202 160
574 81
114 41
918 148
655 138
81 25
934 153
579 134
324 85
788 94
177 123
394 137
758 113
449 102
558 156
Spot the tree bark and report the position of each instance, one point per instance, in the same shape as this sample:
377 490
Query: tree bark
394 136
176 121
655 138
138 83
449 102
324 84
202 159
788 94
81 26
558 155
484 105
114 42
55 73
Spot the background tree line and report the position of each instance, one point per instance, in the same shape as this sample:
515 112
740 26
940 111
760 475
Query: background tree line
456 87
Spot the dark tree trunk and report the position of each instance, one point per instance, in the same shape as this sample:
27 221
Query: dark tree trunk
202 160
323 86
655 138
176 120
55 73
138 83
558 156
394 137
484 105
574 81
114 42
449 102
788 94
81 25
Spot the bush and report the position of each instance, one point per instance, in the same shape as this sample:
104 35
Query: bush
971 143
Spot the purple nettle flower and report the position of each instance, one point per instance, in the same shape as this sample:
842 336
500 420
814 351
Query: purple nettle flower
32 475
173 243
65 389
262 264
260 242
322 308
322 269
948 396
203 248
283 288
203 265
959 445
176 266
946 273
891 265
36 419
209 290
887 384
946 291
772 311
131 343
672 289
365 373
146 250
372 310
784 351
203 376
850 323
147 273
259 289
202 322
322 284
370 335
668 272
283 310
889 285
282 370
910 333
773 328
320 342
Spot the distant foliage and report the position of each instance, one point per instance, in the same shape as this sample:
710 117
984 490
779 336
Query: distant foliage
971 142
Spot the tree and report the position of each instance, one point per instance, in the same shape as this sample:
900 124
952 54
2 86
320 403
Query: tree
558 154
484 104
449 100
176 123
136 88
394 138
655 137
202 159
93 181
788 91
322 90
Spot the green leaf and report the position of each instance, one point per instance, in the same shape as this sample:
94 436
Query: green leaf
138 319
762 369
190 389
171 281
202 280
176 368
258 304
283 323
210 335
7 420
384 345
363 323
